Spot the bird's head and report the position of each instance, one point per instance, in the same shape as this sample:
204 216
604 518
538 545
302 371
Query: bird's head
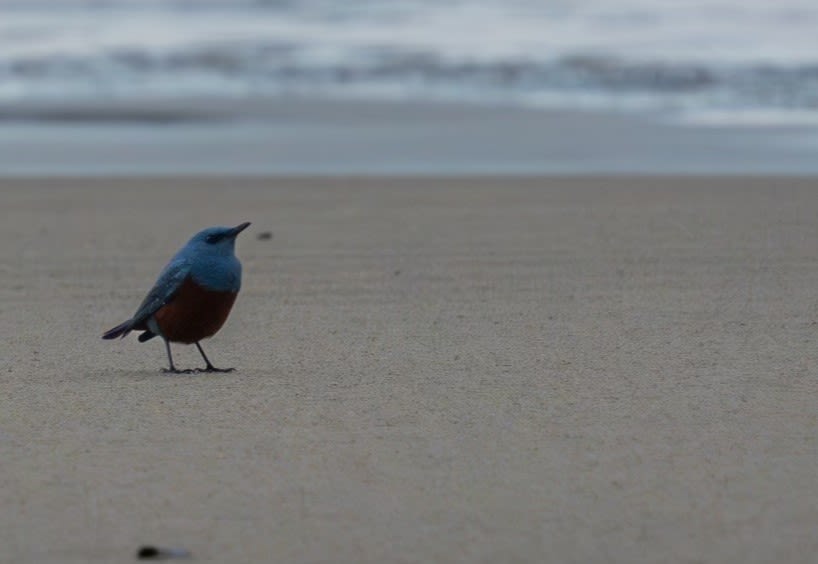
217 240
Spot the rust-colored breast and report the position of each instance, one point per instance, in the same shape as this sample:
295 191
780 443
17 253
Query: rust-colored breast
195 313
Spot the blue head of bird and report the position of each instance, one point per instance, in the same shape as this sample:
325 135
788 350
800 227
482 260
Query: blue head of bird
216 241
211 260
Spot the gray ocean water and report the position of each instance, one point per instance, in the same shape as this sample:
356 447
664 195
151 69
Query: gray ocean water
696 61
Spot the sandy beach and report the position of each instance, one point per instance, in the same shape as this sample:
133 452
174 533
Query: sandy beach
428 370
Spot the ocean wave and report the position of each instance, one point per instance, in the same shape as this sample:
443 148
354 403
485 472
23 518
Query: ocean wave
275 68
643 55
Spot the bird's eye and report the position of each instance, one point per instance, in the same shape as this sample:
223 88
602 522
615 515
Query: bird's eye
212 239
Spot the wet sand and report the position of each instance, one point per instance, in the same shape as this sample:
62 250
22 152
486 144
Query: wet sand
295 136
428 370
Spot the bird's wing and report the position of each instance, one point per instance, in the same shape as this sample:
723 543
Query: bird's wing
163 291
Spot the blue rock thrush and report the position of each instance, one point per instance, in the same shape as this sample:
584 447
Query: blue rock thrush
193 295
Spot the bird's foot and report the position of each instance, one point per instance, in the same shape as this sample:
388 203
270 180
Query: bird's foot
211 368
177 371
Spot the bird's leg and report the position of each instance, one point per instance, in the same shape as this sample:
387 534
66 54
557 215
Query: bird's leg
172 369
210 367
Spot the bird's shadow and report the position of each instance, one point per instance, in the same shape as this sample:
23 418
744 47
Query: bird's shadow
159 373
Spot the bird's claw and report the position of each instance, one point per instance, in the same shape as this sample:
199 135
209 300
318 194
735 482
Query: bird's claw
177 371
214 369
196 370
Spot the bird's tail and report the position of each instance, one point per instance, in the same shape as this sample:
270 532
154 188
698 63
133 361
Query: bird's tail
119 331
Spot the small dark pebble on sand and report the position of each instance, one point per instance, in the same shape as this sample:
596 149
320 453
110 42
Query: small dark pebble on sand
265 236
148 552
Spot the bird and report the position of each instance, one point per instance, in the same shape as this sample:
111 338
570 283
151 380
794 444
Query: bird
193 295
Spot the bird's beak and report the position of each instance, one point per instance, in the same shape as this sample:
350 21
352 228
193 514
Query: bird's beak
239 228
